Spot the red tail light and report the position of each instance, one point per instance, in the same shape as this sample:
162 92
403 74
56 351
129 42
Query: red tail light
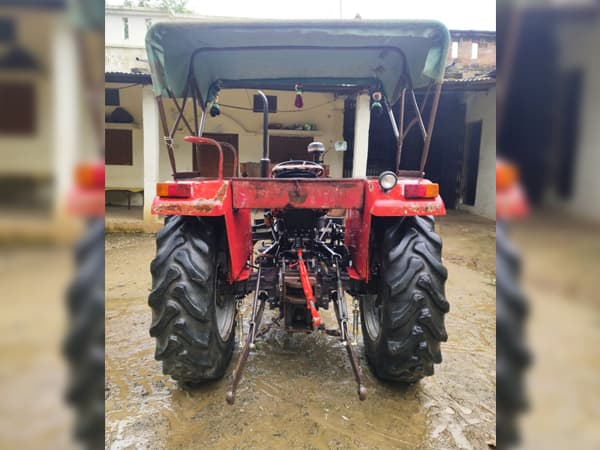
90 176
173 189
429 190
506 175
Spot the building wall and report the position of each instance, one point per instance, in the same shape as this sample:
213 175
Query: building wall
121 53
482 106
578 41
464 65
138 21
32 154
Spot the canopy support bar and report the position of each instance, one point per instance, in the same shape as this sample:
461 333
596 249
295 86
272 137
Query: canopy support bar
167 136
398 130
181 115
432 114
418 114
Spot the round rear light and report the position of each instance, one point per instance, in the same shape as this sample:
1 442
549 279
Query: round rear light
388 180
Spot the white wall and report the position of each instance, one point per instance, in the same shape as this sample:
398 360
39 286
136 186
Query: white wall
32 154
128 176
114 27
578 51
482 106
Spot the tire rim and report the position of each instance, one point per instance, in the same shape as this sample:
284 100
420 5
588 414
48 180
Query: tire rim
224 313
373 316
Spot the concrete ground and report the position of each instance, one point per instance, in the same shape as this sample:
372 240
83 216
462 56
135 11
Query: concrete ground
298 391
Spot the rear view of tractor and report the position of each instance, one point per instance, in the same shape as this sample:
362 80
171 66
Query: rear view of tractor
298 259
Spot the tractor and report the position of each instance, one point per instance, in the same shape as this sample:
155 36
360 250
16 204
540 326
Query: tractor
272 237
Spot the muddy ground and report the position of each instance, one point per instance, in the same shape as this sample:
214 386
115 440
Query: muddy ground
298 391
33 372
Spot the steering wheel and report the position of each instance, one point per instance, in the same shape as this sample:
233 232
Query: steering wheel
298 169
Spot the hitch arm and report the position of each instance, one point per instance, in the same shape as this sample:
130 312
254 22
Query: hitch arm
258 306
342 318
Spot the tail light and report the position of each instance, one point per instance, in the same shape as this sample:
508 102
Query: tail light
173 189
90 176
506 175
425 190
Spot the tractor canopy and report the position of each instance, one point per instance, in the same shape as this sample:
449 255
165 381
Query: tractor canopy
199 58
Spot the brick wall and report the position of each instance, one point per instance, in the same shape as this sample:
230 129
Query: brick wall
466 63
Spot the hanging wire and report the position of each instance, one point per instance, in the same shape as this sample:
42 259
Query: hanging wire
125 87
222 105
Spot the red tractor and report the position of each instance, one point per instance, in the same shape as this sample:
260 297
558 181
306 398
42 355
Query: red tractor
298 259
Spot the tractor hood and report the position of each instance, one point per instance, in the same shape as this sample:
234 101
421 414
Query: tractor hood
331 56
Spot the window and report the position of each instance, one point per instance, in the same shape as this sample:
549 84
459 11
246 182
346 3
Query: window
474 50
454 50
17 114
119 147
111 97
148 23
258 104
125 28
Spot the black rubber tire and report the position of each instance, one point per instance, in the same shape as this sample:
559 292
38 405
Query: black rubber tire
184 286
411 292
84 344
512 355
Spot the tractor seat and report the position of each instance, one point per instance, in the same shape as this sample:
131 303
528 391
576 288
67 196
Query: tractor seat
297 169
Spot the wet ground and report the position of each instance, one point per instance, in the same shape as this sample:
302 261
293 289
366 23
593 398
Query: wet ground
298 391
561 264
33 373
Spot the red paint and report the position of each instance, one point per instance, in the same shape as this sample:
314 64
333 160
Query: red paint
511 203
308 292
233 199
382 204
86 202
212 198
319 193
86 198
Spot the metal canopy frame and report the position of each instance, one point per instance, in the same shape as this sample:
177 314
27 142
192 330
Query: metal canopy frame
192 90
400 133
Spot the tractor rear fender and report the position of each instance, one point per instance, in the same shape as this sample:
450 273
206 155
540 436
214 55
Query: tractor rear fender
213 198
379 204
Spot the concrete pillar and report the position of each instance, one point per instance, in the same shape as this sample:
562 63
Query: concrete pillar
150 121
361 135
66 101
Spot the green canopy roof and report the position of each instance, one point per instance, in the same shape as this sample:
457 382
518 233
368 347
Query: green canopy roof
320 55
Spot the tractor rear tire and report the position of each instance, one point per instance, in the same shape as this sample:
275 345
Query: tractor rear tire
403 323
512 355
193 322
83 347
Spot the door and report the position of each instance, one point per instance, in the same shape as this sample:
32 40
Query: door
208 156
286 148
472 146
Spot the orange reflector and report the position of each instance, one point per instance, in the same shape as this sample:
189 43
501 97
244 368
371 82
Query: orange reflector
173 189
506 175
430 190
90 176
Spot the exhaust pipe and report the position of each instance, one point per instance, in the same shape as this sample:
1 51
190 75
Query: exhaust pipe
265 161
